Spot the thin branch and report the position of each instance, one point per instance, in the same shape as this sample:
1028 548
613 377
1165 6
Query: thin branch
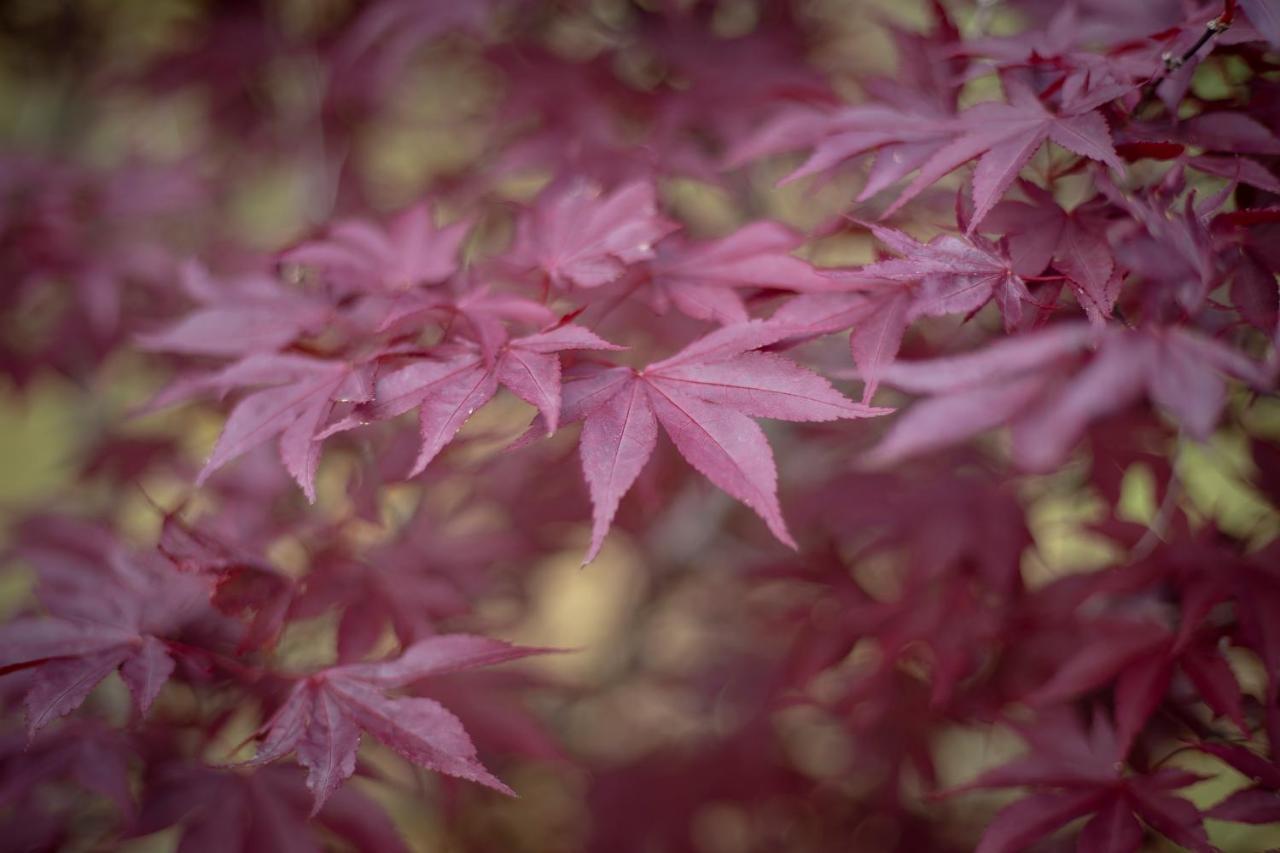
1172 63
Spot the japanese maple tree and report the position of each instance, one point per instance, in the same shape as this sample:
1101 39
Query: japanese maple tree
644 425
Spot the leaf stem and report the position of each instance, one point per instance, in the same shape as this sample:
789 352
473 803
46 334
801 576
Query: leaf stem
1160 523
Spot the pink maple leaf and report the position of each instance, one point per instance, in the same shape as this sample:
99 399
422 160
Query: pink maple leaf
705 397
301 393
580 237
447 391
702 278
1045 386
410 251
1004 136
238 316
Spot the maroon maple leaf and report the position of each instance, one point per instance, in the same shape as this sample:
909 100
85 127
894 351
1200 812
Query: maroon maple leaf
94 756
1265 17
323 717
113 610
1042 232
1139 659
220 810
949 275
243 583
1256 803
906 137
1040 384
876 318
1074 772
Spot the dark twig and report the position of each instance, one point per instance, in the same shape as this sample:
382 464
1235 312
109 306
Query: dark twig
1172 63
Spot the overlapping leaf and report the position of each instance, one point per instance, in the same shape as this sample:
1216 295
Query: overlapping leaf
300 394
323 717
1074 772
108 611
410 251
446 392
238 316
1004 136
578 236
1049 390
702 279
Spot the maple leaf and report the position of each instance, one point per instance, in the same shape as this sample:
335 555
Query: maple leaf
111 611
1074 772
1256 803
1042 232
243 583
905 126
220 810
1224 130
876 319
974 526
1140 659
402 585
486 314
238 316
1060 52
578 237
447 391
1241 169
94 756
1004 136
323 717
949 275
1032 383
705 397
1256 295
958 553
1168 244
1204 574
301 393
574 109
359 256
905 137
372 53
701 278
1265 17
